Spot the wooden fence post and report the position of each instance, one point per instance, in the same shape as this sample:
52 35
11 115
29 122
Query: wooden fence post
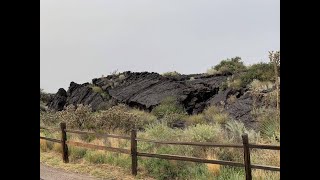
134 162
64 145
246 153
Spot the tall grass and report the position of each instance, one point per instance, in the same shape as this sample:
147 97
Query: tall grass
204 127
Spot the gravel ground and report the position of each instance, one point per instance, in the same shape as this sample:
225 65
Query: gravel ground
49 173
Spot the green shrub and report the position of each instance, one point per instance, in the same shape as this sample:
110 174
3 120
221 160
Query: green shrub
160 131
204 133
49 118
44 97
212 71
232 99
233 65
215 114
233 173
261 71
169 105
172 118
195 119
223 86
77 118
122 77
95 157
235 84
120 160
143 118
269 123
76 153
171 74
236 129
164 169
123 118
97 89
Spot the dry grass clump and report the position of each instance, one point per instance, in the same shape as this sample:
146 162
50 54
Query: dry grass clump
215 114
171 74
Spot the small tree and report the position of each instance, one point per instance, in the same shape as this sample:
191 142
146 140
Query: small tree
275 59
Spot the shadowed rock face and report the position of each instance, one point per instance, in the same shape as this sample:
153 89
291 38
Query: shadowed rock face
146 90
83 94
58 101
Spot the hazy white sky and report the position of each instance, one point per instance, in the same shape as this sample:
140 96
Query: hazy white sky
84 39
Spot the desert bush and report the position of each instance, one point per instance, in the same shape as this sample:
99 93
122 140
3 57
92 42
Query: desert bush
232 99
236 129
171 119
257 85
160 131
44 97
270 124
116 159
235 83
99 90
117 117
77 153
164 169
77 118
43 107
212 71
215 114
233 65
122 118
171 74
49 118
169 105
223 86
260 71
233 173
143 118
122 77
195 119
43 145
270 99
204 133
95 156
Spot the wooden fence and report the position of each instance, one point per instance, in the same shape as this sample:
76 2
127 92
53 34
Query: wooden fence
246 146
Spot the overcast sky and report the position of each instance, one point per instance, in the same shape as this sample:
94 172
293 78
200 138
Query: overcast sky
84 39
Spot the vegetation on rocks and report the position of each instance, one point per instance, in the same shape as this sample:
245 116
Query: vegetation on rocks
216 123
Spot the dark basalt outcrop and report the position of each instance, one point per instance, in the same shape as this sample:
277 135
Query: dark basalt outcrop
146 90
58 101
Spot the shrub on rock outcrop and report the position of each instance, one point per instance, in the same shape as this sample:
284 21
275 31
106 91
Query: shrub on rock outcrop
168 106
260 71
233 65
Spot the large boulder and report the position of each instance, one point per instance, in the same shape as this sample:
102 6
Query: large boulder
58 101
83 94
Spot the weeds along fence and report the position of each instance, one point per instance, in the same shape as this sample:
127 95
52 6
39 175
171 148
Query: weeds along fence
246 146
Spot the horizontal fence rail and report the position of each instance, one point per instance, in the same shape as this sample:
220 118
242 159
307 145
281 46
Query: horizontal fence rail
246 146
258 146
270 168
92 146
191 143
98 134
50 139
191 159
50 129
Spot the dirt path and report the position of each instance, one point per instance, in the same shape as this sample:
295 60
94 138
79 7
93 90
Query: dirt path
49 173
